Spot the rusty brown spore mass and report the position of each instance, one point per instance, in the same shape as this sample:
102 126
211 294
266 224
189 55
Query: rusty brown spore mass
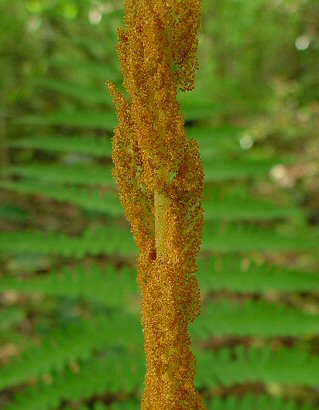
160 179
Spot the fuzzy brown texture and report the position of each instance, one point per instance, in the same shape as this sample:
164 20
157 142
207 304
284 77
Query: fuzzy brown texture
161 180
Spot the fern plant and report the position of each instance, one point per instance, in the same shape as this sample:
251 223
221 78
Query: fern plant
70 333
161 180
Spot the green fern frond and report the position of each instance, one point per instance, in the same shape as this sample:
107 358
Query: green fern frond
256 402
10 317
224 139
285 366
116 405
239 238
107 241
97 147
253 318
119 370
198 110
112 286
216 170
127 405
221 169
233 275
107 285
115 240
75 342
91 69
93 199
225 135
76 119
77 91
98 120
239 206
218 208
218 318
65 174
114 371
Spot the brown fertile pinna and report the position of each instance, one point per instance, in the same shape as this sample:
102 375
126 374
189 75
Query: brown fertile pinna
160 179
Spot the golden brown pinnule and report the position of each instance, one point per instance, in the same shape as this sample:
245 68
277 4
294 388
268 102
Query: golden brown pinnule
160 179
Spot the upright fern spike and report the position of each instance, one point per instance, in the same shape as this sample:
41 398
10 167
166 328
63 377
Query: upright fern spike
160 179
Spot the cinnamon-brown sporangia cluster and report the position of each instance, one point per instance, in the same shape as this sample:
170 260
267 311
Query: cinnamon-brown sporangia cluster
160 179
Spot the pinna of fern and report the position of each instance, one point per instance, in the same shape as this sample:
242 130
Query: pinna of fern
160 179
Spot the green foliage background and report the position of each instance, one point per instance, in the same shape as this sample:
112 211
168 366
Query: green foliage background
70 333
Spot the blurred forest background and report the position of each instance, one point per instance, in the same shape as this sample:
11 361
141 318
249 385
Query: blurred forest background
70 333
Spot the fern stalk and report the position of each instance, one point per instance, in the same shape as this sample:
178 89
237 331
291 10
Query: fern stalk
160 179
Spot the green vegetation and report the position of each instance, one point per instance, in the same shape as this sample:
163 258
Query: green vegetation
70 333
